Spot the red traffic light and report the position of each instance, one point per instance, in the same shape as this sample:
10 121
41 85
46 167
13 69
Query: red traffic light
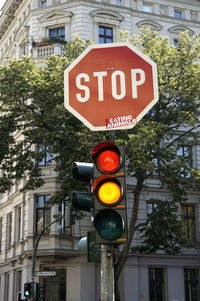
107 157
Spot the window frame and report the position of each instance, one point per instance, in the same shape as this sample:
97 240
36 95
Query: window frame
43 3
18 284
154 204
119 2
9 230
56 281
18 221
1 232
147 7
175 43
185 220
184 151
57 29
178 13
7 286
65 224
105 36
188 283
47 158
156 281
45 209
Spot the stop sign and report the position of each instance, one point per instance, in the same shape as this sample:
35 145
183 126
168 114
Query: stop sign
111 86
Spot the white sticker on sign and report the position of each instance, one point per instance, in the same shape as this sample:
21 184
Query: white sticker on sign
120 121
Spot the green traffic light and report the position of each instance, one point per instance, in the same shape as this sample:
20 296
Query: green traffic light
109 224
27 293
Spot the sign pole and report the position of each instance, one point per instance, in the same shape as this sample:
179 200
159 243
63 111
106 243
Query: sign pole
107 274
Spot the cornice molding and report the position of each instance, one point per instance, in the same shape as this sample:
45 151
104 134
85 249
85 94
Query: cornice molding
177 29
149 23
55 14
107 13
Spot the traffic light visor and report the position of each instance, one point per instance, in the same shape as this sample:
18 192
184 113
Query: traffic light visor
109 224
107 157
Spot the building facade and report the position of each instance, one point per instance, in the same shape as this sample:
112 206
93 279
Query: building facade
26 28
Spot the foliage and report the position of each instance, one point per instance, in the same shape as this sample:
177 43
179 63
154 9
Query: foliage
152 146
162 231
33 105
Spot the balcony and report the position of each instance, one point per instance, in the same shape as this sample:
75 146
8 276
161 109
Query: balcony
44 49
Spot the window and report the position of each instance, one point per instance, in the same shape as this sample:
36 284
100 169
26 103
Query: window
55 286
64 225
18 224
46 156
6 287
1 223
118 2
176 42
43 3
57 33
105 35
188 221
18 286
156 284
151 207
191 277
43 213
184 152
23 49
178 14
9 230
147 8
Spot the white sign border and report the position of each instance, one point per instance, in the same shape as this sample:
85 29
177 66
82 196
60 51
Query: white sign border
81 56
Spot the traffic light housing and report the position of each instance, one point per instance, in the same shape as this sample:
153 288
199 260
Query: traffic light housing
40 291
82 200
109 188
107 197
27 289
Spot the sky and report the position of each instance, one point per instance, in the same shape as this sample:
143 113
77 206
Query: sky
2 3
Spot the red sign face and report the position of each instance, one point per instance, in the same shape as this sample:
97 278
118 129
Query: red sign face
111 86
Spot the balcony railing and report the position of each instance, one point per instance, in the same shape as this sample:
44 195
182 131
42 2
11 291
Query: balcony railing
45 49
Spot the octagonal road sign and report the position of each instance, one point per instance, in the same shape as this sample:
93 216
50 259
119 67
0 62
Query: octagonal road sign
111 86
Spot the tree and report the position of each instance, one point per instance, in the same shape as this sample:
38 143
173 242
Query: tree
33 105
152 146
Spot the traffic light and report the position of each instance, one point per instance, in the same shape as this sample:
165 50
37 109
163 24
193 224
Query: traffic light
88 246
109 187
40 291
82 200
27 289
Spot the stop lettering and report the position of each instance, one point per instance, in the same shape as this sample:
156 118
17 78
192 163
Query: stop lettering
111 86
118 84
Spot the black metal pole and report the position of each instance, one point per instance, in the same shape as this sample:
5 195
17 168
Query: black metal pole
35 252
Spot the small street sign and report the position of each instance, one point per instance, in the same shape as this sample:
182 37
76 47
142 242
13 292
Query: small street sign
45 273
111 86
